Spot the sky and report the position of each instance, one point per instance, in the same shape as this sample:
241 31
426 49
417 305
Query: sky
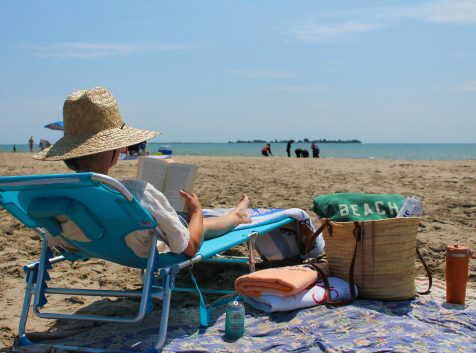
219 71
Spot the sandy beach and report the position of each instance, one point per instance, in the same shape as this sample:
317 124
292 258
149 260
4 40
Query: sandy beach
447 188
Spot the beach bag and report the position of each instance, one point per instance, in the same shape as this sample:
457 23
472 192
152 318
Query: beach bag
378 256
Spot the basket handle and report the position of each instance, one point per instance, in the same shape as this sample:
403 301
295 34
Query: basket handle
310 241
427 270
357 235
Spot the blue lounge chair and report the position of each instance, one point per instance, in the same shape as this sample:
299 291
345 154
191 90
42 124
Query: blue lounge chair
105 212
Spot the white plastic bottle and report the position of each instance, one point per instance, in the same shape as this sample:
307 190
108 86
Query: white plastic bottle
412 207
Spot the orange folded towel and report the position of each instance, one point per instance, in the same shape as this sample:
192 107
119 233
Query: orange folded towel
281 281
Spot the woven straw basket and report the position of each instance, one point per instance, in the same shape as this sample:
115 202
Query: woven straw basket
385 257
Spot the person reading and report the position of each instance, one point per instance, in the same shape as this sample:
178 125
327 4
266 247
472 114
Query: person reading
94 136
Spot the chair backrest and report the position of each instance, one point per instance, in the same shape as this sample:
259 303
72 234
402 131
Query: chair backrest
101 209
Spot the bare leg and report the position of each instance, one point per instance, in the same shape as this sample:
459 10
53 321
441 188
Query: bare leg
215 226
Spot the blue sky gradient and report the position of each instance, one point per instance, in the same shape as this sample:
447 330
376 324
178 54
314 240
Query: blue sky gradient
215 71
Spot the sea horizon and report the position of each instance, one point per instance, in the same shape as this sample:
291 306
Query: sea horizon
388 151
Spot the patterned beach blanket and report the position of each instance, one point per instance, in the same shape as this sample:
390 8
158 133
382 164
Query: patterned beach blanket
424 324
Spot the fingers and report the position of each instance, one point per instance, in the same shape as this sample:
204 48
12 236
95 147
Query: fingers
188 196
185 195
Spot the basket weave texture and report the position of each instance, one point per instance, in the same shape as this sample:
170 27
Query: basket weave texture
385 258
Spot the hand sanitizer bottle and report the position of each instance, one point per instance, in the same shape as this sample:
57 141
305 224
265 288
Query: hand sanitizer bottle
235 320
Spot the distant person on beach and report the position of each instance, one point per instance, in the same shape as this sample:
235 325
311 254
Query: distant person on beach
304 153
87 149
133 149
266 151
288 147
31 143
14 148
315 150
298 152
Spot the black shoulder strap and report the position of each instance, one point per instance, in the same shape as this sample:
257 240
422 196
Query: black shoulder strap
357 235
427 270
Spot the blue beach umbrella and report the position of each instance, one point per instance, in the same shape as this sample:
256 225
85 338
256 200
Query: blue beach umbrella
58 125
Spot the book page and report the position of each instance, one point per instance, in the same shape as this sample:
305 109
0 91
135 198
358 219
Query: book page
180 176
153 170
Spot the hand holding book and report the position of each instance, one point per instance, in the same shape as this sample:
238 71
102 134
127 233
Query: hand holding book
192 204
169 177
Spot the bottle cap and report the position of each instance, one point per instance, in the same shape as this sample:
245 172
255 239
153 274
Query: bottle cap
235 303
457 250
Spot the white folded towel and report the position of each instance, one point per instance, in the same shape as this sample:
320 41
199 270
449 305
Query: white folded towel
315 295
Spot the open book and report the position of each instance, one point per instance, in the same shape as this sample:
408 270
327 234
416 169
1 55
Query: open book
169 177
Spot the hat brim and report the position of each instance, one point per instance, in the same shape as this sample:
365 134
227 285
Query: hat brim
107 140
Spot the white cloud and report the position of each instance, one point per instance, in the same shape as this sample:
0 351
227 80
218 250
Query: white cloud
468 86
439 11
312 32
296 88
260 74
84 50
449 11
334 25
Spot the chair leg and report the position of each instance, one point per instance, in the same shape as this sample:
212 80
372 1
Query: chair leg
42 276
251 253
168 276
30 282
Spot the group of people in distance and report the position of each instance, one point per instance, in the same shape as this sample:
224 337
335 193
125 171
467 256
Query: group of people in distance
31 144
304 153
300 152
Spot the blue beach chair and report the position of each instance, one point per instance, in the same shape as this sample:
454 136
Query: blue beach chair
105 212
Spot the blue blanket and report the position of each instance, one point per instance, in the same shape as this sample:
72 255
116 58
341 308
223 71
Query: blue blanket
424 324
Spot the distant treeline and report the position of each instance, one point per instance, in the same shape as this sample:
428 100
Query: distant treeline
298 141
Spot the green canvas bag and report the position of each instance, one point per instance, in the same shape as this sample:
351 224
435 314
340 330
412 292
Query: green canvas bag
346 207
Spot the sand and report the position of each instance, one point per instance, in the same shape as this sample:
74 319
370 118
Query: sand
447 188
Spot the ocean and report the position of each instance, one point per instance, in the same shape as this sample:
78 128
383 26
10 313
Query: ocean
392 151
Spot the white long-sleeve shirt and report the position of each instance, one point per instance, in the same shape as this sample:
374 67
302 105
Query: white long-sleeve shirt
177 235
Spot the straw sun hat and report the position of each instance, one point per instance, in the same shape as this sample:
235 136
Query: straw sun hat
92 124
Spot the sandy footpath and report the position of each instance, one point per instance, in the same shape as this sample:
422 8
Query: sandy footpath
448 190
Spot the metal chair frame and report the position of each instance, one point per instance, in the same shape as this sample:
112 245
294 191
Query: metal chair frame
37 276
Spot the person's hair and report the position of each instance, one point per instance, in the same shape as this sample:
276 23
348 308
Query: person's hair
80 164
83 163
75 164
